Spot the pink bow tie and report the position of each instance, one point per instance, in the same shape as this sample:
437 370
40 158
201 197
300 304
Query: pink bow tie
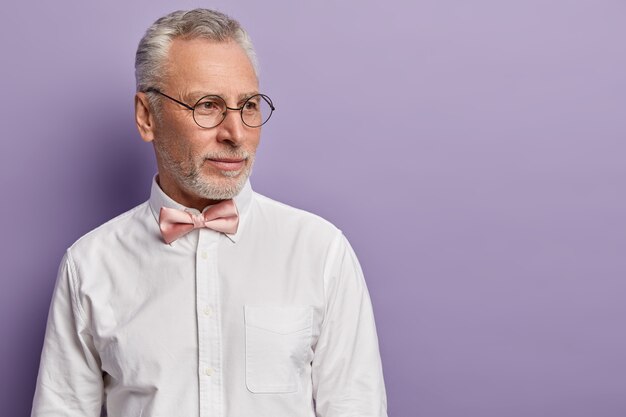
222 217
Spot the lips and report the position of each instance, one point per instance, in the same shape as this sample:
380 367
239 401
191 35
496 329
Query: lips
227 164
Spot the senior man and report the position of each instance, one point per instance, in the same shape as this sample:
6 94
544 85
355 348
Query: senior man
208 299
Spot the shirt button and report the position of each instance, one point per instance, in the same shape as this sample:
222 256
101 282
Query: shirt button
208 371
204 255
208 311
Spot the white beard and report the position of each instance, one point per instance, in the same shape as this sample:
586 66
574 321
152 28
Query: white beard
193 182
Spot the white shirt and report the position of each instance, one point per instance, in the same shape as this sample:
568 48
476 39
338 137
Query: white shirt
272 321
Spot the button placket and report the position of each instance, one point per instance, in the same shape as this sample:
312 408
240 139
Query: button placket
209 329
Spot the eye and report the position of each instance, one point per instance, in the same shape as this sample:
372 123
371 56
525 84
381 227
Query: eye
209 105
251 105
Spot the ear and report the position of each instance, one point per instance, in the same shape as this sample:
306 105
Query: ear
144 118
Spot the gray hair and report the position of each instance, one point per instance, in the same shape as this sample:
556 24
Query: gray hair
198 23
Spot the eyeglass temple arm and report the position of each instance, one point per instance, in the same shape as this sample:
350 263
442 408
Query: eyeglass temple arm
154 90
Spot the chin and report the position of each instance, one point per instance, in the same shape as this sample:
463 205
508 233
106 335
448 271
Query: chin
222 188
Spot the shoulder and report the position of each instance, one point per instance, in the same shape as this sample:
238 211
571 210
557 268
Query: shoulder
293 229
112 233
285 216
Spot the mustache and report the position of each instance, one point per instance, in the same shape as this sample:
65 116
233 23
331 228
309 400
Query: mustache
227 155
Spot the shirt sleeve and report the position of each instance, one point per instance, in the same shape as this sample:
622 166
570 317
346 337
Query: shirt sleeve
70 381
346 370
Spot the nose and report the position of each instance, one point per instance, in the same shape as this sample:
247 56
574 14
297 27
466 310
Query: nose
232 130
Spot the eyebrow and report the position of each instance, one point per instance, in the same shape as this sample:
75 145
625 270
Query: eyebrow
197 95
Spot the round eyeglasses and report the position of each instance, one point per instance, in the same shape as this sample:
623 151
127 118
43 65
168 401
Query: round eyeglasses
209 111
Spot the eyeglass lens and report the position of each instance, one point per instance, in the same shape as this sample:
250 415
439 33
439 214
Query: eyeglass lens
210 111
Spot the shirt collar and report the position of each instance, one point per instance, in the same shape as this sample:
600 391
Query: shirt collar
159 199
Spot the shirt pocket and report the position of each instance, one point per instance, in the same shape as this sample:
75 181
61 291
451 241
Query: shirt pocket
277 341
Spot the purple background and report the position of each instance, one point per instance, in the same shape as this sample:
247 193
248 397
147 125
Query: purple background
472 151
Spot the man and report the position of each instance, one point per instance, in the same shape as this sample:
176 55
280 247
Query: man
208 299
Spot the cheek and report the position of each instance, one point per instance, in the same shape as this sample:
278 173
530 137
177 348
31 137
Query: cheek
178 143
253 142
174 149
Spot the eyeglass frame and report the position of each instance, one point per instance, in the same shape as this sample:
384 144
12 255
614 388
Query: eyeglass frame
239 109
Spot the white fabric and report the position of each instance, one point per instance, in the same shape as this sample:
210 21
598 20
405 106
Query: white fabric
273 321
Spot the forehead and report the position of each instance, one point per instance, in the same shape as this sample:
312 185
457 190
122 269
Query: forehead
205 65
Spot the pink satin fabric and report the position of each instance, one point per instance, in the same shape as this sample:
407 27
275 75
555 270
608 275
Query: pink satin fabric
222 217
